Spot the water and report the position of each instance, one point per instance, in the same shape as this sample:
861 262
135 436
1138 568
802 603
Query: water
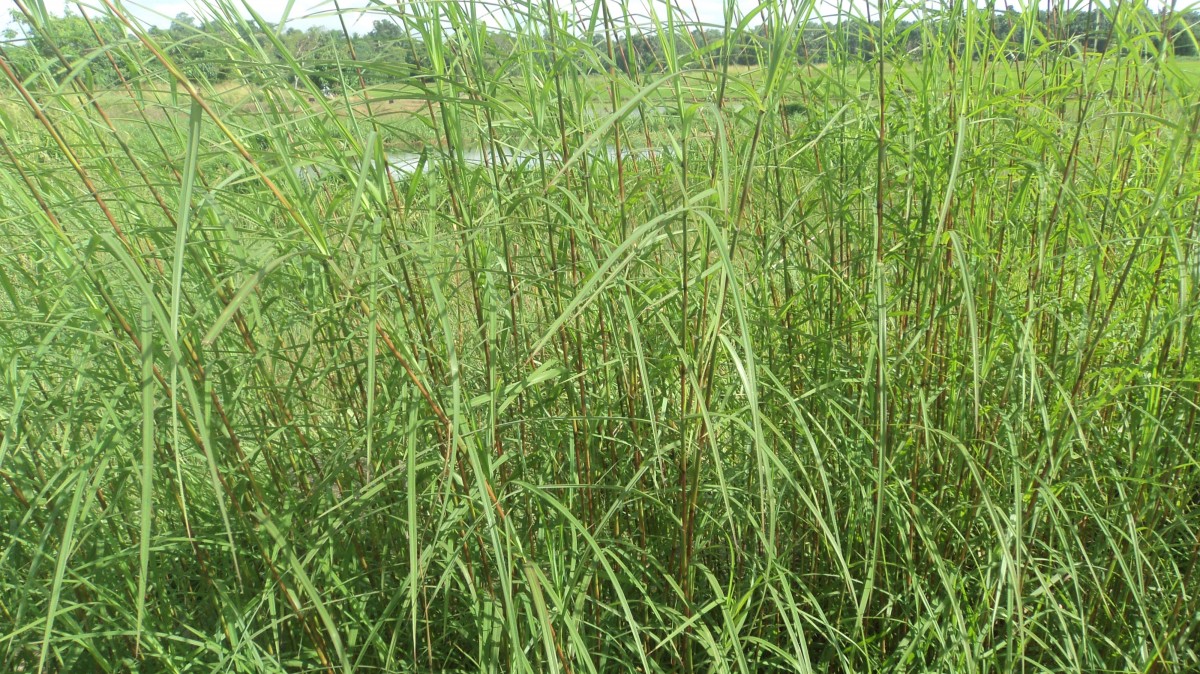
403 164
406 163
598 112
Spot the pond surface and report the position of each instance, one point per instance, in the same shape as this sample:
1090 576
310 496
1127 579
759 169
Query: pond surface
401 164
405 163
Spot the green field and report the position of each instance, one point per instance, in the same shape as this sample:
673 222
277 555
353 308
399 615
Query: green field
853 346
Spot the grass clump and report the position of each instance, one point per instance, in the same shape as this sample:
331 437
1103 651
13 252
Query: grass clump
874 354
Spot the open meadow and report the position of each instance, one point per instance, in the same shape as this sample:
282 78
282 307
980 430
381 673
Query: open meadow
568 339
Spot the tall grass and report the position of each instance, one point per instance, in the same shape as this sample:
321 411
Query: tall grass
903 378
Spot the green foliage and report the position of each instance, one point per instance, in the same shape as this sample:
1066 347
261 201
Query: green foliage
794 344
73 45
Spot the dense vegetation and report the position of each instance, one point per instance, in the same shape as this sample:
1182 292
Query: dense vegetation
873 357
393 52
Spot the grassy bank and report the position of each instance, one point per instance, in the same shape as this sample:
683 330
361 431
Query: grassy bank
880 364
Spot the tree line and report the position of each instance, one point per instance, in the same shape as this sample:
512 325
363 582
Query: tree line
390 53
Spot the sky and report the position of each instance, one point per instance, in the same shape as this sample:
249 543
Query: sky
306 13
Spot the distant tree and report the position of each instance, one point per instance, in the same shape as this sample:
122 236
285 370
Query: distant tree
1183 35
383 31
68 44
47 50
195 50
